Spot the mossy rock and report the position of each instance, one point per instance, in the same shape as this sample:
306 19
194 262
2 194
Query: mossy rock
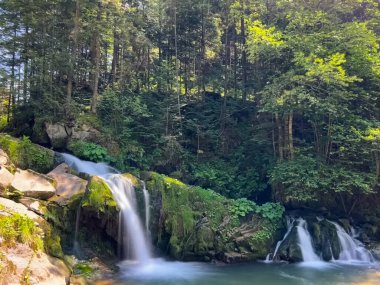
98 196
192 223
25 154
134 180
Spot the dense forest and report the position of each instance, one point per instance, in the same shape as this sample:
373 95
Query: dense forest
256 99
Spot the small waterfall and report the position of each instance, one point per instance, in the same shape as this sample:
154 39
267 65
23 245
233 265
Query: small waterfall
76 246
305 242
351 248
130 229
124 194
147 206
289 226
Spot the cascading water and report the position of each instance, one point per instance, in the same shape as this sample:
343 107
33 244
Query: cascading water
131 231
147 206
352 250
131 236
305 242
289 226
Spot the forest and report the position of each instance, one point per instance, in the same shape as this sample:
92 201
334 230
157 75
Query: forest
267 102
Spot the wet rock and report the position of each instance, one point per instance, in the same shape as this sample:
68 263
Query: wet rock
68 185
289 249
32 184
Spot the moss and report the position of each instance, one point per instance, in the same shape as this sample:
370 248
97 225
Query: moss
15 228
135 181
197 222
83 268
98 196
52 241
25 154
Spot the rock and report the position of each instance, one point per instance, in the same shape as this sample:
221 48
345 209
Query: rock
86 133
4 159
35 205
289 249
68 185
26 155
19 208
58 134
40 268
6 178
32 184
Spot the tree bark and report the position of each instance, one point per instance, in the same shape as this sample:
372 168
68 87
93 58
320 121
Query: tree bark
95 60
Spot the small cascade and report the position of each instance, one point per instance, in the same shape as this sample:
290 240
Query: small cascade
351 248
147 206
305 242
131 233
289 226
76 247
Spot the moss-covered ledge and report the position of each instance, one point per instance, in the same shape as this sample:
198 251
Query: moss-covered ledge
191 223
24 154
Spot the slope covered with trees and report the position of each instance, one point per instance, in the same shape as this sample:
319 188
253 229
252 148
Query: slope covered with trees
259 99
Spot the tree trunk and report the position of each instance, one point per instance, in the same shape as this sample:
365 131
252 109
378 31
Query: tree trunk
95 60
290 135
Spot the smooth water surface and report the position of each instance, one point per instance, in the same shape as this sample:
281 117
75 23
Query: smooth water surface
168 273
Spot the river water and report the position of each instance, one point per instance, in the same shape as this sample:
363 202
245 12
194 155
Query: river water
170 273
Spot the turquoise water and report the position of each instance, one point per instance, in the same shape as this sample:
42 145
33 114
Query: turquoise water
167 273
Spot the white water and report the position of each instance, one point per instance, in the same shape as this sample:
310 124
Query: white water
289 226
352 250
133 237
305 242
147 206
131 233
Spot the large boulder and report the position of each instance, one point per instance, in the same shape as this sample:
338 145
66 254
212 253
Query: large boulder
28 262
191 223
32 184
26 155
6 178
58 134
68 185
289 249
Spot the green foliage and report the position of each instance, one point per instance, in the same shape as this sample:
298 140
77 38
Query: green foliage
89 151
271 211
241 207
306 179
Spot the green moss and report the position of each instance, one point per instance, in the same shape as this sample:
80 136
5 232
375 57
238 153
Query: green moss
135 181
83 268
17 228
98 196
52 241
25 154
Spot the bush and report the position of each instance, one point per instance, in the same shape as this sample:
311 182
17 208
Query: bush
89 151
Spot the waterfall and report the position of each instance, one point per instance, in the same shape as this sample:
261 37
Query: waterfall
130 229
289 226
351 248
305 242
147 207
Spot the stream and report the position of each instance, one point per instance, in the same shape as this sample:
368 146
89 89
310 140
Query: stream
178 273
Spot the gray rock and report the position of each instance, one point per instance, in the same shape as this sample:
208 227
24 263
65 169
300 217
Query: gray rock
68 185
32 184
58 134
